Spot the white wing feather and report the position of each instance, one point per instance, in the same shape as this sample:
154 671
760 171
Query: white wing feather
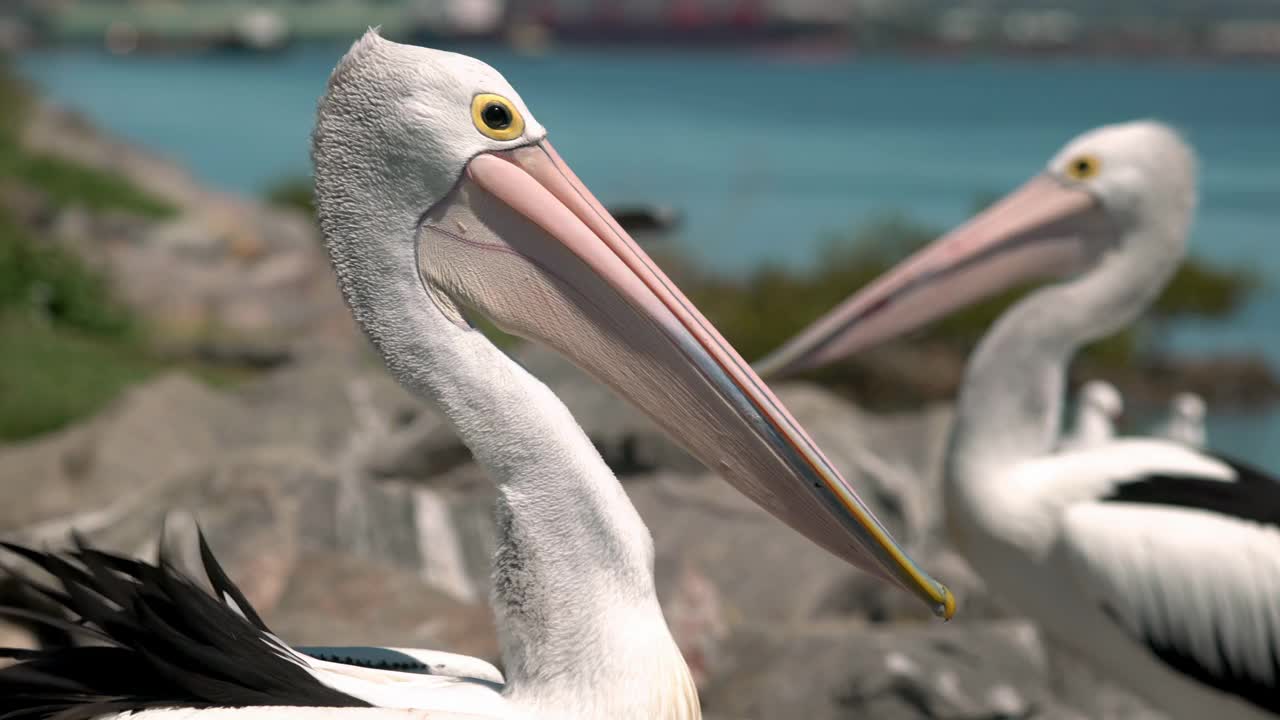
1203 584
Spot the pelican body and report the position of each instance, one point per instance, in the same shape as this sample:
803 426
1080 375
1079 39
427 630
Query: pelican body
1158 563
440 198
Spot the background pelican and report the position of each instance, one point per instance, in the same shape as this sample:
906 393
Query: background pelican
439 196
1185 423
1098 407
1158 563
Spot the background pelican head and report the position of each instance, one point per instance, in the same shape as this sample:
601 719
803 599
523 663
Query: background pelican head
1103 398
1190 406
440 197
1113 206
1098 408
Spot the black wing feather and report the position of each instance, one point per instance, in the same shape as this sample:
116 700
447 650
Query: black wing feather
168 643
223 585
1253 496
376 658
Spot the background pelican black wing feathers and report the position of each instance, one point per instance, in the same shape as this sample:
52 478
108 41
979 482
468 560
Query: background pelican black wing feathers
1201 604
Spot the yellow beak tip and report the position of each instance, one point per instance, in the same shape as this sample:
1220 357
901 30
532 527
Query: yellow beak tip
948 607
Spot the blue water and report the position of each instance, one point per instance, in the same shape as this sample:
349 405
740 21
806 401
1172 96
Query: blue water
765 155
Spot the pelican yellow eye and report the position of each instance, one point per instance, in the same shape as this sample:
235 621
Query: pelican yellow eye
1083 167
496 117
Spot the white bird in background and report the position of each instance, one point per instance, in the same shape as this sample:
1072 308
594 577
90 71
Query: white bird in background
1158 563
1098 406
439 196
1185 423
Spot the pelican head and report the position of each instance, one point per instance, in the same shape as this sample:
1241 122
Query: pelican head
440 196
1114 204
1189 406
1103 398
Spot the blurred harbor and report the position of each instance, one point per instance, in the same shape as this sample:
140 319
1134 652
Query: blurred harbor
1230 29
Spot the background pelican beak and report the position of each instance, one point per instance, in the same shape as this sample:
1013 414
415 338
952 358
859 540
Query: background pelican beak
522 241
1042 229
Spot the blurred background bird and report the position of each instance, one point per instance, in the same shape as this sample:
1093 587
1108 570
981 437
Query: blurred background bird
1140 555
1098 408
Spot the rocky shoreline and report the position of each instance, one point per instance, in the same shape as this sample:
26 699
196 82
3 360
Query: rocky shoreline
348 512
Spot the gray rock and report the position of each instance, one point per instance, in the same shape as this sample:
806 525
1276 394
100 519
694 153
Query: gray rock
334 599
1073 680
893 461
764 571
324 404
979 671
161 428
152 432
704 521
257 515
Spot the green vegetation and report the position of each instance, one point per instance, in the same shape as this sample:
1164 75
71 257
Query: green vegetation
68 345
297 193
14 98
42 279
1201 290
51 375
66 184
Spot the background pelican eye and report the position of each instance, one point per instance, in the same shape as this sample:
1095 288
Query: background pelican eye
496 117
1083 167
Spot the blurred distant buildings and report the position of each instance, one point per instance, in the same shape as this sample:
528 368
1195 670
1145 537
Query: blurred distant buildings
1228 28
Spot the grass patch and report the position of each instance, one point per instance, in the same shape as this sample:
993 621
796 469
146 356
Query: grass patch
47 281
51 374
14 99
67 184
68 346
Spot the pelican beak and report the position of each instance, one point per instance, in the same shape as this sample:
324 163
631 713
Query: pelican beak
1044 229
522 241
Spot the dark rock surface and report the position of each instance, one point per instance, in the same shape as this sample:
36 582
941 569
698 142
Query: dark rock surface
821 671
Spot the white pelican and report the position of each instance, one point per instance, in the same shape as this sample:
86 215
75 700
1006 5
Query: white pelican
1185 423
1158 563
439 196
1098 407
